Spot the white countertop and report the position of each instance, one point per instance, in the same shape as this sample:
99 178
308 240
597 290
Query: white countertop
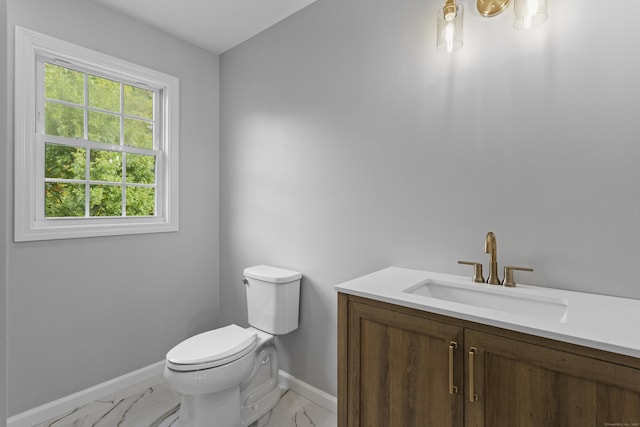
597 321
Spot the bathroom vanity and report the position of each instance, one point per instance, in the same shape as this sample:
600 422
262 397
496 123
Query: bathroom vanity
425 349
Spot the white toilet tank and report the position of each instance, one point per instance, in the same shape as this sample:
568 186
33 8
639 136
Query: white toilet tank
273 298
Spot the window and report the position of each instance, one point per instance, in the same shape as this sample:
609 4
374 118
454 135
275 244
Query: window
96 143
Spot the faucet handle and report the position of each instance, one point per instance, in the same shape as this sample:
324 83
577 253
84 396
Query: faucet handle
477 270
508 275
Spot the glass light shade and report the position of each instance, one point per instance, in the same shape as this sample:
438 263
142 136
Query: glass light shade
529 13
450 28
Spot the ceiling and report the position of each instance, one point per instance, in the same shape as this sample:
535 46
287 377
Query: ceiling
215 25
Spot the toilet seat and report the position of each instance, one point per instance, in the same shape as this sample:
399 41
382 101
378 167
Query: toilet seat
213 348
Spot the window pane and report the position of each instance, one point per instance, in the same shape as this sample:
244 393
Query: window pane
64 84
140 201
63 200
105 166
138 133
138 102
104 127
64 162
105 200
104 94
62 120
141 169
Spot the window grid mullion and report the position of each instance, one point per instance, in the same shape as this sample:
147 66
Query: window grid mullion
73 142
62 102
92 182
159 199
87 181
123 193
158 144
156 122
87 160
85 107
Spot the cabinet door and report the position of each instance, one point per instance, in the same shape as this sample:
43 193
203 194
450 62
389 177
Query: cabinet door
525 385
398 370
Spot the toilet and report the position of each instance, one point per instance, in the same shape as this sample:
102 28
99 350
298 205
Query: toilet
228 377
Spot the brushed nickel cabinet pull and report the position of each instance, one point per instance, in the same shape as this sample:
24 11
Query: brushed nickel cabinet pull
472 395
452 388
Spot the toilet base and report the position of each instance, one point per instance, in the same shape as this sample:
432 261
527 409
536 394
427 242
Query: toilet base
206 410
256 412
262 421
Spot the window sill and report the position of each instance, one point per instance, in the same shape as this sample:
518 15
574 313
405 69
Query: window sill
90 227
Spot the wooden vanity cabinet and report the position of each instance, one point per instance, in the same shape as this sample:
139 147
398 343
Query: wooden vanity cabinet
397 367
390 381
522 384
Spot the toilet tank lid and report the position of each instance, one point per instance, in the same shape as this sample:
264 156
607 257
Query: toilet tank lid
271 274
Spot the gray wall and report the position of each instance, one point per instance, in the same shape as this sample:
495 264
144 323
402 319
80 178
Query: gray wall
4 226
349 145
84 311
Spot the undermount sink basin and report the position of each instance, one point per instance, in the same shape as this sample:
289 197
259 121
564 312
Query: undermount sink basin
498 298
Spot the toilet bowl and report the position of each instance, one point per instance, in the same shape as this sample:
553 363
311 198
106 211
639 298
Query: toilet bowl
228 377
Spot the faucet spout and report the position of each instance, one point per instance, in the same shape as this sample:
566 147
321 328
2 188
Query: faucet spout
490 247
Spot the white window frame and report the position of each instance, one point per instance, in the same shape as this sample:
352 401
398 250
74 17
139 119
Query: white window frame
30 224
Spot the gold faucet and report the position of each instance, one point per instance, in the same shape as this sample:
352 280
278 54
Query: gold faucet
490 247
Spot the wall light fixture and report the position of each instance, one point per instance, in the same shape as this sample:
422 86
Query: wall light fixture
450 27
528 15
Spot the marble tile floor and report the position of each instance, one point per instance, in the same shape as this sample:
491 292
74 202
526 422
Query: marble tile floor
152 404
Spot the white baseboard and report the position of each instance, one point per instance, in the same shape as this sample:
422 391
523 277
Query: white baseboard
68 403
140 378
309 392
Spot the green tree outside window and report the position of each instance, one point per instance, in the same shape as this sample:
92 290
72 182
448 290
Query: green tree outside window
113 115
